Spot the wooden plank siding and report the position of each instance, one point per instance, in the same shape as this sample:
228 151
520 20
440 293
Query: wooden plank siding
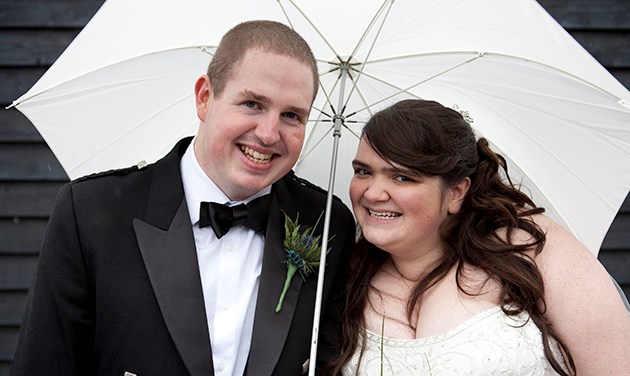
33 33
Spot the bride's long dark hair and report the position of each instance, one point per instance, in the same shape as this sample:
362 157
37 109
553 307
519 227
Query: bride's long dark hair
431 139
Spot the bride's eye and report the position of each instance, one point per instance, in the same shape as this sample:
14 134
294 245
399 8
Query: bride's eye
403 178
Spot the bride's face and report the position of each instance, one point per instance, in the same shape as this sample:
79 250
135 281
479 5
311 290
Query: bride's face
398 210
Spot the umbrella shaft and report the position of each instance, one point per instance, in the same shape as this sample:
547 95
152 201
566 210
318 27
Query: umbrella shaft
338 118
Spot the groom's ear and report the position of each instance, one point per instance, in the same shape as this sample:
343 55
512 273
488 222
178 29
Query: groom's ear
203 94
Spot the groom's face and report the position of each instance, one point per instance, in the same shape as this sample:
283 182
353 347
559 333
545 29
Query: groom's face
252 133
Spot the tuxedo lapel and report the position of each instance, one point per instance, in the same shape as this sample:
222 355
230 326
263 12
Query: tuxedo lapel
271 328
171 263
166 242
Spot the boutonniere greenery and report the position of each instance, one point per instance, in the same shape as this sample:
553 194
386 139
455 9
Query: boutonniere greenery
303 252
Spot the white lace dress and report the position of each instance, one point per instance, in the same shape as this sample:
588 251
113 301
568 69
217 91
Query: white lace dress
489 343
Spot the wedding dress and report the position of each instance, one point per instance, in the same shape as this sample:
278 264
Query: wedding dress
489 343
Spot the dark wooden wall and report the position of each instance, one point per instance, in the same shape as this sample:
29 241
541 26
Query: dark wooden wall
34 32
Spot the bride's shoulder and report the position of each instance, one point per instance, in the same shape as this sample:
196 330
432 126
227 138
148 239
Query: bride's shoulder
560 244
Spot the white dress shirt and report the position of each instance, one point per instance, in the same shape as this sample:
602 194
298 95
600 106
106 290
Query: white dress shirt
230 271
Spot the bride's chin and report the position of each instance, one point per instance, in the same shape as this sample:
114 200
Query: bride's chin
378 240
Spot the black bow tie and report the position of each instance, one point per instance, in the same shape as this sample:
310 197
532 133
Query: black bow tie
221 217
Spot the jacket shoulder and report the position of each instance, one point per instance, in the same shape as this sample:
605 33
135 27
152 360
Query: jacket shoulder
111 173
314 189
305 183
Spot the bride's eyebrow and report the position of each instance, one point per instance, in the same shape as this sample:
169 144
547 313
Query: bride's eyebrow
391 169
358 163
398 170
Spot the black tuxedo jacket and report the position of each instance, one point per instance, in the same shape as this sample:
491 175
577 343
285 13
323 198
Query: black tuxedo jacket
118 289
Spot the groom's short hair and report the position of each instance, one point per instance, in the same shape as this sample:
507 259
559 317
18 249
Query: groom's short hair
268 36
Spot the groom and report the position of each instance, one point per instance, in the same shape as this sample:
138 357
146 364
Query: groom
134 279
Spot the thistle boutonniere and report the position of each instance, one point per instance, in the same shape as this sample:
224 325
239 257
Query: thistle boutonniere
303 252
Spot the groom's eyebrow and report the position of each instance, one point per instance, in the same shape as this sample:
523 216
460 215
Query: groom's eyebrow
265 100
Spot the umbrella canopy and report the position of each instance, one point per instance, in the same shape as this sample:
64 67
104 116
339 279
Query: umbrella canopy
123 90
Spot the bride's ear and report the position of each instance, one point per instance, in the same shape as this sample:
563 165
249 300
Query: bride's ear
457 193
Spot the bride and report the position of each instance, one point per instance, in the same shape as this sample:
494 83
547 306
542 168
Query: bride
458 272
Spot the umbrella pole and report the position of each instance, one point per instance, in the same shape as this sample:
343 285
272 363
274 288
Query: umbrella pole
338 123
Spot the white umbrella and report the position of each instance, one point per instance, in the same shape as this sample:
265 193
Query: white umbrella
123 90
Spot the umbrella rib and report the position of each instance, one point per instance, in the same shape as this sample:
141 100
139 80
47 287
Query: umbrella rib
380 10
564 219
304 155
133 128
406 90
310 23
23 99
317 122
369 27
620 100
367 57
351 131
327 95
363 100
321 112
